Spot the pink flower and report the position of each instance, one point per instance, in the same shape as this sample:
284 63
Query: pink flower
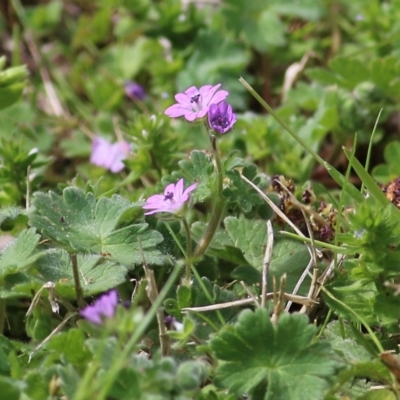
104 306
194 103
172 201
109 156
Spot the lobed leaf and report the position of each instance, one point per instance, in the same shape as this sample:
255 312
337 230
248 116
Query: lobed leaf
82 224
276 362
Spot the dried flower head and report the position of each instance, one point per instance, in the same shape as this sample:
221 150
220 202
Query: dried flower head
109 156
104 306
194 103
172 201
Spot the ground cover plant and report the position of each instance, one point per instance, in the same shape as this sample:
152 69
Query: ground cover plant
199 199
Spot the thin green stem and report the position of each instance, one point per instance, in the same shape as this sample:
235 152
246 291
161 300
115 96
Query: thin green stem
371 142
2 314
334 248
282 122
327 319
188 252
219 204
78 288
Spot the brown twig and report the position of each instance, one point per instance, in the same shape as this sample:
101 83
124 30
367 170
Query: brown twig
266 263
279 300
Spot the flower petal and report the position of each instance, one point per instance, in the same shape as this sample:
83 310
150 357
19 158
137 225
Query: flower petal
219 96
175 111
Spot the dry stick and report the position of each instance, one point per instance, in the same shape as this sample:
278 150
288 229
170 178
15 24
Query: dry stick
244 302
286 219
276 210
312 262
152 293
55 103
304 309
279 300
327 274
78 288
266 263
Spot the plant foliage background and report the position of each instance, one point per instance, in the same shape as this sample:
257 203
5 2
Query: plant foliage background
283 279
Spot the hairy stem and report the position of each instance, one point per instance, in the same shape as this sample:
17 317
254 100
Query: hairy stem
2 314
188 252
78 288
219 204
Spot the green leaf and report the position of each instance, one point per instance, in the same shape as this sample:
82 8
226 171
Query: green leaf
71 345
384 71
6 347
273 362
12 83
18 255
37 388
97 274
183 296
367 179
288 256
249 236
11 389
351 71
358 296
339 178
221 58
70 379
9 216
323 76
241 193
199 169
246 273
391 170
190 374
347 346
221 245
80 223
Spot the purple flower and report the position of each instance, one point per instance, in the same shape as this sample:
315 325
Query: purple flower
221 118
134 91
172 201
104 306
194 103
109 156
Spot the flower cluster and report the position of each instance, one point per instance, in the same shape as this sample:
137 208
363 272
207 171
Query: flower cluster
194 104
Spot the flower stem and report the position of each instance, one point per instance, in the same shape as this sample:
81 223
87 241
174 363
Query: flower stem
219 204
2 314
78 288
186 280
